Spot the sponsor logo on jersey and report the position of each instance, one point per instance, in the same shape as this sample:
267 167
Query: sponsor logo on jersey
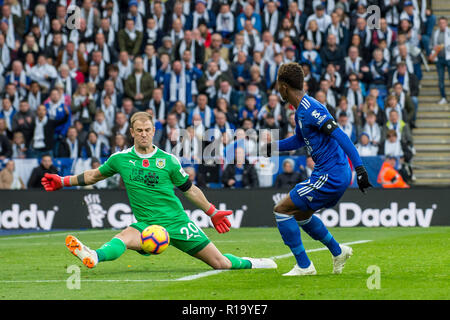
133 162
150 178
160 163
315 114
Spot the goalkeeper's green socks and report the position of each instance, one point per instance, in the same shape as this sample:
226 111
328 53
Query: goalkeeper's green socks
238 263
111 250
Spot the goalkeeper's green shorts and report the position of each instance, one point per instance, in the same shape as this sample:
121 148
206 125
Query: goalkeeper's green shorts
184 235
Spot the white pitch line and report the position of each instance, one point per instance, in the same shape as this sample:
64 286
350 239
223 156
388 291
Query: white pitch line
56 234
209 273
186 278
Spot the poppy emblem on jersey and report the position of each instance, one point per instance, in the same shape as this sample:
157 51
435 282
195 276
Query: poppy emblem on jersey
160 163
145 163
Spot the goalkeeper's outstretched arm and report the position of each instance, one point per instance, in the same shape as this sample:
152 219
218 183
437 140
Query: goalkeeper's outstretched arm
218 217
53 182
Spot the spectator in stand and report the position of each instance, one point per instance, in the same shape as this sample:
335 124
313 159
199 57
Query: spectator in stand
139 85
403 133
332 53
321 17
315 36
130 39
95 147
409 81
346 126
240 173
83 106
122 127
364 147
204 110
249 15
19 148
44 128
5 147
9 178
23 121
406 103
441 55
179 87
46 166
312 57
372 129
289 178
392 145
196 179
101 128
354 93
71 147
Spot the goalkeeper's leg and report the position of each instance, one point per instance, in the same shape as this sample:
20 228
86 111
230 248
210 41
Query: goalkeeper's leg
213 257
111 250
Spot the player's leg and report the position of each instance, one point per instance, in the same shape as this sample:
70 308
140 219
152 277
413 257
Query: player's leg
189 238
213 257
324 192
128 238
286 213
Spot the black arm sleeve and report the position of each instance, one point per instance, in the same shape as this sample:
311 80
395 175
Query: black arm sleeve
329 126
185 186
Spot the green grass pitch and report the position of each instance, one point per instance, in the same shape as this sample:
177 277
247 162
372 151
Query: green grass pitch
413 264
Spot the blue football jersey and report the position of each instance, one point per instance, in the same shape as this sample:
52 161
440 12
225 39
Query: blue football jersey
324 150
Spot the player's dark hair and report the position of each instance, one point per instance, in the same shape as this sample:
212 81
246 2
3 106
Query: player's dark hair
292 74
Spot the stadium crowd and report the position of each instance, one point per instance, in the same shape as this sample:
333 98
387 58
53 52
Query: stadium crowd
68 92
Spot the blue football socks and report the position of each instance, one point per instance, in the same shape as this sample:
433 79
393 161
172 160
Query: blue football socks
290 232
317 230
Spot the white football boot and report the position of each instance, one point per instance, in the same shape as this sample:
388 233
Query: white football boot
87 256
297 271
339 261
262 263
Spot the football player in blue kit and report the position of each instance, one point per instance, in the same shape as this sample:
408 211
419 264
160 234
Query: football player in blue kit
329 147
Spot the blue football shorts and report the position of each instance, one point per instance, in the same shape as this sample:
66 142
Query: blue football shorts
322 189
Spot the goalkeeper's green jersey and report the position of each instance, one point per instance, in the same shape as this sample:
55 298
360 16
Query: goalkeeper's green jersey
149 180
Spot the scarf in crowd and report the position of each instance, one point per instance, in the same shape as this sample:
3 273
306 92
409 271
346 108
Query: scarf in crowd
178 89
110 114
161 112
150 65
65 58
212 90
138 23
22 79
39 136
89 17
272 20
191 48
95 149
225 22
405 80
351 66
207 115
73 147
131 33
197 16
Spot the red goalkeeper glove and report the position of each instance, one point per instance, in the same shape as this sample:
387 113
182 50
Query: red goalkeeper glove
219 219
53 182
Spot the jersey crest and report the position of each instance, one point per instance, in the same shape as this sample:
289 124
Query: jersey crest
160 163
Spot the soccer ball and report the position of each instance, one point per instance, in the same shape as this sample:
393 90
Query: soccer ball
154 239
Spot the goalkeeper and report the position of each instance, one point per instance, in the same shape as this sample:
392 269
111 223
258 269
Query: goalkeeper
149 175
